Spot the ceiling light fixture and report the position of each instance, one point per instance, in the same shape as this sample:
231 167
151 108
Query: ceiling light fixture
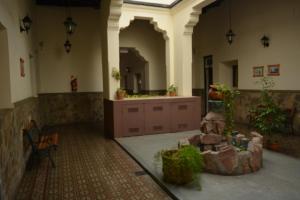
230 34
70 25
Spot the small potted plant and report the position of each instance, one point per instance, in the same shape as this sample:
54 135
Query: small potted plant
182 166
215 92
172 90
120 94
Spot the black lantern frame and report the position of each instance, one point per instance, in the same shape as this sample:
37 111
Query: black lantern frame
230 35
70 25
265 41
25 24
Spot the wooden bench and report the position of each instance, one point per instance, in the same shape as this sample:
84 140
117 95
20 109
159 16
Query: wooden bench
45 143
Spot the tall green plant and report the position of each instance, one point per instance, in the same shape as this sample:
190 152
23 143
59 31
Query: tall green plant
267 115
229 97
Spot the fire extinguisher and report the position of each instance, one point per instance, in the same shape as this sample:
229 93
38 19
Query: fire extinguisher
73 84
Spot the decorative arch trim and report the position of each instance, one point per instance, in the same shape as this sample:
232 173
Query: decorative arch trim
152 21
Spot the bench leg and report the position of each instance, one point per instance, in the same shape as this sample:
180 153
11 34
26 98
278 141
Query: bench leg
51 159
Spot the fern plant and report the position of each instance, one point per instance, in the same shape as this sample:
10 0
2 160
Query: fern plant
181 166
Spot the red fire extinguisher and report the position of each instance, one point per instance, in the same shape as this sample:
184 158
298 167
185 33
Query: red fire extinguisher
73 84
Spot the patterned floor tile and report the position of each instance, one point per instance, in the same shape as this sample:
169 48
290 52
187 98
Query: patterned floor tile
90 167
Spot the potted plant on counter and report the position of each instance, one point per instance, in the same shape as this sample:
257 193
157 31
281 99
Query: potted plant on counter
172 90
120 94
182 166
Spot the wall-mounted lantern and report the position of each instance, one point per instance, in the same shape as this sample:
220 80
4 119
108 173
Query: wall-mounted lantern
265 41
25 24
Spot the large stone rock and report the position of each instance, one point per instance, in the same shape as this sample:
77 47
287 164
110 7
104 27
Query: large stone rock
213 123
211 139
212 116
244 162
195 140
228 161
183 142
238 138
210 161
256 151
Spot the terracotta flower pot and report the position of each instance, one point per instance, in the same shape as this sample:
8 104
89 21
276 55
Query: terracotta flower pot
214 95
274 146
120 94
172 94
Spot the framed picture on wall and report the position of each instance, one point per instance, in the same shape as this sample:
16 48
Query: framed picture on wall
274 70
22 69
258 71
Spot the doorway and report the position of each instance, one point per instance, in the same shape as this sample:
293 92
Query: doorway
208 78
133 71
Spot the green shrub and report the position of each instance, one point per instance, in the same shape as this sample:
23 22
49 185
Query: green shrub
267 116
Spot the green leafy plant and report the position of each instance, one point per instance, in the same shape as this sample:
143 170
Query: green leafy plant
182 166
172 90
229 96
266 116
116 74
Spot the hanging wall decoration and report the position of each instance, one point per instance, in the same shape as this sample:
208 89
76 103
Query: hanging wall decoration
274 70
22 68
258 71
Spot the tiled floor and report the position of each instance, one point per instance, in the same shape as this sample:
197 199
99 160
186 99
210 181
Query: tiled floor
88 167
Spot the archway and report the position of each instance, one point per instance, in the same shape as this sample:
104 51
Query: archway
141 35
5 94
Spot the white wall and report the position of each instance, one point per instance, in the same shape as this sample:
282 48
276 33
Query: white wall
5 96
250 21
20 45
151 45
84 61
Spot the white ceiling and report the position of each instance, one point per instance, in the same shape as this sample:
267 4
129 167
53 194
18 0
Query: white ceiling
163 2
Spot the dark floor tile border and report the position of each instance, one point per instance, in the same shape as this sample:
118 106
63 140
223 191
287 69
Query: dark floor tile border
156 180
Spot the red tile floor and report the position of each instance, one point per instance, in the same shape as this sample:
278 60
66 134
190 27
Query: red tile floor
88 166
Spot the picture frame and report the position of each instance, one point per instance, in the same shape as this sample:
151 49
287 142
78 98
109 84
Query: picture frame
258 71
274 70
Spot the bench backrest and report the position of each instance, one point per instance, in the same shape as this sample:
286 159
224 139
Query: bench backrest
28 134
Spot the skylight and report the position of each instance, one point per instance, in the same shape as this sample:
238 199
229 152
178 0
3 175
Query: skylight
160 3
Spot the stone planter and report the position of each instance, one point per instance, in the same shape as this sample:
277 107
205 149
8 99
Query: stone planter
226 159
